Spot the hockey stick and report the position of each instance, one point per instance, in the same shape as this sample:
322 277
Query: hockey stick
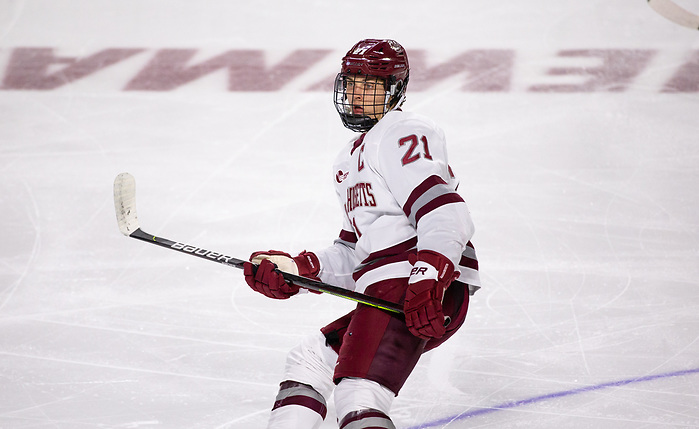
125 205
675 13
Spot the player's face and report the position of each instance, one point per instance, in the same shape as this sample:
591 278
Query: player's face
366 95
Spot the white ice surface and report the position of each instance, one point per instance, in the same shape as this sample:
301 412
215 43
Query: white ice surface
586 206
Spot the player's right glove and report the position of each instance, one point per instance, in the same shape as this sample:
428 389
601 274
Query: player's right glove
431 275
261 275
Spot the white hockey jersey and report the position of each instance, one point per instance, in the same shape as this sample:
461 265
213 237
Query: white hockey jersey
398 194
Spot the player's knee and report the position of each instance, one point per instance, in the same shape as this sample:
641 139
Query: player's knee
363 401
312 363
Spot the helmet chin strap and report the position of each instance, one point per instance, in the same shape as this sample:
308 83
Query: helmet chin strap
387 99
390 94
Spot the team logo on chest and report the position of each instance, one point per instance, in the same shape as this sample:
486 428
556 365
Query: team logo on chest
359 195
340 176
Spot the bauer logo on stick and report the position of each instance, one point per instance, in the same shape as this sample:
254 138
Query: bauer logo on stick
202 252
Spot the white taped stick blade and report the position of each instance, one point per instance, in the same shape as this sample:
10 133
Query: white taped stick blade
675 13
125 203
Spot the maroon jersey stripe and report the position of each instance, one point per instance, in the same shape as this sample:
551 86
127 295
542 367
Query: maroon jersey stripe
380 263
468 263
348 236
436 203
419 190
391 251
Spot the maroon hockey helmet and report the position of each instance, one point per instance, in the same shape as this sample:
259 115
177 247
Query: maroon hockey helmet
384 60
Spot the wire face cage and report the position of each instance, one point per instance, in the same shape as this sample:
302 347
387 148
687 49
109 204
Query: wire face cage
362 100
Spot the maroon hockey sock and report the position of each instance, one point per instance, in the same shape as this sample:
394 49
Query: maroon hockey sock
367 419
294 393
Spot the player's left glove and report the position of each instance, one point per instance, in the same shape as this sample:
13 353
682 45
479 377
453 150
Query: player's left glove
431 275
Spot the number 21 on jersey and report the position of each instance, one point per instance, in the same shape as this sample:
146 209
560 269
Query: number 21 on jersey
414 152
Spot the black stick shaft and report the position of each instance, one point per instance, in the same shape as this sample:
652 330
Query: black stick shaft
297 280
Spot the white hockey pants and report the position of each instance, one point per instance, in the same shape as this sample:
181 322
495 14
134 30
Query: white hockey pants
302 398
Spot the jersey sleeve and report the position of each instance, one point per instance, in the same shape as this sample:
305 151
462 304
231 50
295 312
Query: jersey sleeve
338 261
412 160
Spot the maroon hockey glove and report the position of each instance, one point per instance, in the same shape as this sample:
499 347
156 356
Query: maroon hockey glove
432 273
306 264
268 282
262 277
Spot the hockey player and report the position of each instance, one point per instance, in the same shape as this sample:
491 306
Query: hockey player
405 238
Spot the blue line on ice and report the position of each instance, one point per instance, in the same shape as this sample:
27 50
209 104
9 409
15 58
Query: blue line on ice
535 399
